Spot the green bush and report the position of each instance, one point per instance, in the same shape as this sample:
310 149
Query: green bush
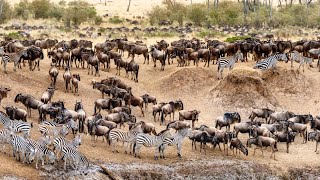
6 13
98 20
209 34
40 8
14 35
116 20
236 38
22 10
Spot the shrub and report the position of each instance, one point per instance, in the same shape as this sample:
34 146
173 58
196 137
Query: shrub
236 38
98 20
209 34
116 20
14 35
40 8
78 12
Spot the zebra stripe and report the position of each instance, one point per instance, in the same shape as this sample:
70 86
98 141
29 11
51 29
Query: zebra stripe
61 142
295 56
150 141
15 125
12 57
270 62
76 159
227 62
124 136
42 152
55 131
21 146
177 139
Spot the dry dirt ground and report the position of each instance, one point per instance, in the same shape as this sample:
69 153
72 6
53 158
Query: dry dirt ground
241 90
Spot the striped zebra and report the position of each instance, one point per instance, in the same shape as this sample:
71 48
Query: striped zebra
15 125
12 57
177 139
297 57
48 130
76 159
147 140
4 138
227 62
60 142
271 62
124 136
22 149
42 152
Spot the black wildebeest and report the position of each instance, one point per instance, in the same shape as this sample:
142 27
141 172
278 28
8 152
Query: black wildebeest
120 118
285 136
169 108
134 101
107 104
138 49
227 119
156 109
104 89
189 115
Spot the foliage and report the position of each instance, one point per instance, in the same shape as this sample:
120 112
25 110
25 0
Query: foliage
6 11
40 8
231 13
78 12
236 38
14 35
209 34
116 20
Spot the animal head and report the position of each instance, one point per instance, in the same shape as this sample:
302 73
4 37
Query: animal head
17 98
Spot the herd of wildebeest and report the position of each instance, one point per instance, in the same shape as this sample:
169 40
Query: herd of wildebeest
265 127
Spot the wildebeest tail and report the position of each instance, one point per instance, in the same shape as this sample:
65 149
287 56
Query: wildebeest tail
162 117
137 73
134 147
275 145
95 108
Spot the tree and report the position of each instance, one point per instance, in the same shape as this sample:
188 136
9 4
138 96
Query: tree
5 11
129 6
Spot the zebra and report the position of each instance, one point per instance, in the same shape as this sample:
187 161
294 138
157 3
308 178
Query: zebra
46 129
42 152
76 159
13 57
150 141
124 136
177 139
22 148
15 125
295 56
271 62
227 62
60 142
4 138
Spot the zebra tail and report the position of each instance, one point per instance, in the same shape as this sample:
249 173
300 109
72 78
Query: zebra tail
134 148
219 66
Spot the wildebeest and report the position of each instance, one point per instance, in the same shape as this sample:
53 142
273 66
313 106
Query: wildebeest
261 113
158 55
53 72
148 127
178 125
285 136
199 136
261 141
148 99
300 128
156 109
189 115
78 107
75 83
120 118
280 116
132 67
104 89
93 62
29 101
4 92
227 119
106 104
47 95
15 113
67 79
236 143
244 127
138 49
169 108
134 101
